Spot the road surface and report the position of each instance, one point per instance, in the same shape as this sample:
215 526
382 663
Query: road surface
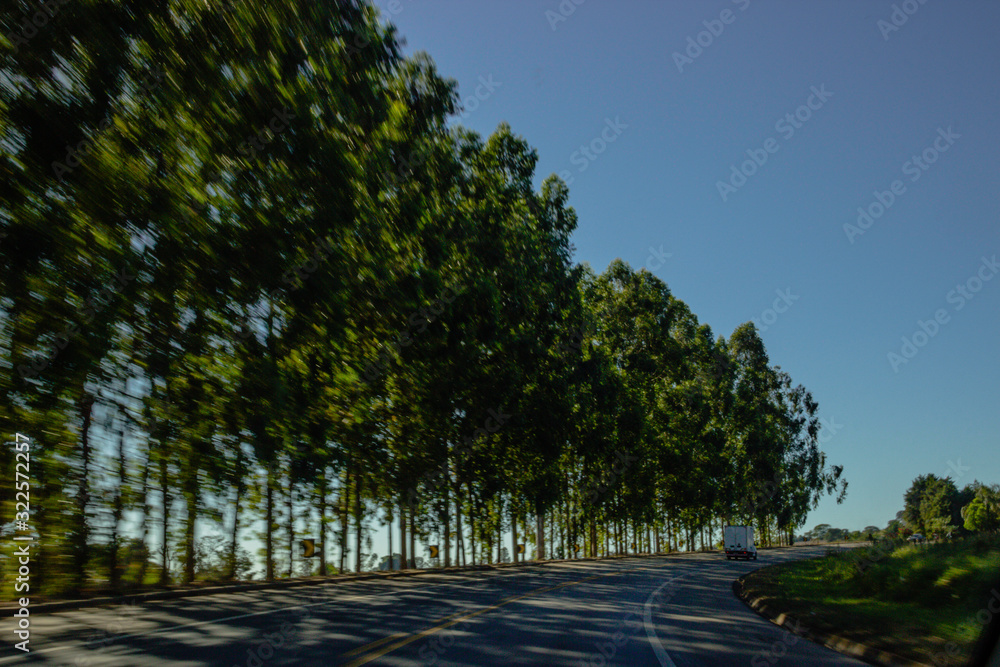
674 610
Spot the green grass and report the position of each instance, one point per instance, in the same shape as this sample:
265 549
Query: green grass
913 601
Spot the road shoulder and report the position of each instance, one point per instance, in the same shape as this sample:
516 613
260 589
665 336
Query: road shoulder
768 610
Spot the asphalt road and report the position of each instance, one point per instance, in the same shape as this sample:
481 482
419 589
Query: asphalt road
675 610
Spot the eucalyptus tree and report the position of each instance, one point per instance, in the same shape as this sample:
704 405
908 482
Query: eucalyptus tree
751 430
635 318
71 99
804 476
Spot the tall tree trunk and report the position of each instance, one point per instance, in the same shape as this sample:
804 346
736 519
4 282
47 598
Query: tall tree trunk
539 536
472 522
593 537
553 520
322 522
568 518
472 533
388 526
291 523
459 535
114 571
413 533
145 519
358 519
165 500
404 562
344 503
233 535
81 527
562 532
269 525
190 516
525 532
513 536
447 522
272 370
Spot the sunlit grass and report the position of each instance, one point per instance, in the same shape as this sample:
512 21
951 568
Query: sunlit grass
909 600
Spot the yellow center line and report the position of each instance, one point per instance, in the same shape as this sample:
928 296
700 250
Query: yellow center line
398 635
447 622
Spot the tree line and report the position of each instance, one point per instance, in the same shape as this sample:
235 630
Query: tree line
254 282
935 506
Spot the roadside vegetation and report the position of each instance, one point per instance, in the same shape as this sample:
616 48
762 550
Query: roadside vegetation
925 600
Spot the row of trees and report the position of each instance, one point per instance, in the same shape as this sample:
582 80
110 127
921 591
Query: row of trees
254 283
827 533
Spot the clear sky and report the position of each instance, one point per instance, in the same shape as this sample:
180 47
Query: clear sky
921 84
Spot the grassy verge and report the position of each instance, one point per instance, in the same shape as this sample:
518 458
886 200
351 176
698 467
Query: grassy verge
918 602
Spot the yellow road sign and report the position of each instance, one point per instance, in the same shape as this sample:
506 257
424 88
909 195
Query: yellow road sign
308 548
520 548
434 550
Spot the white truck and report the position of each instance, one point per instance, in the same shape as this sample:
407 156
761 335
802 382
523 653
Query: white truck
738 541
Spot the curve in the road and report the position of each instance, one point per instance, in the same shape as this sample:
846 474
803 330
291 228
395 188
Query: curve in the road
671 611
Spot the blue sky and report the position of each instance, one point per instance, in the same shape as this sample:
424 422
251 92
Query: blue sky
889 91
